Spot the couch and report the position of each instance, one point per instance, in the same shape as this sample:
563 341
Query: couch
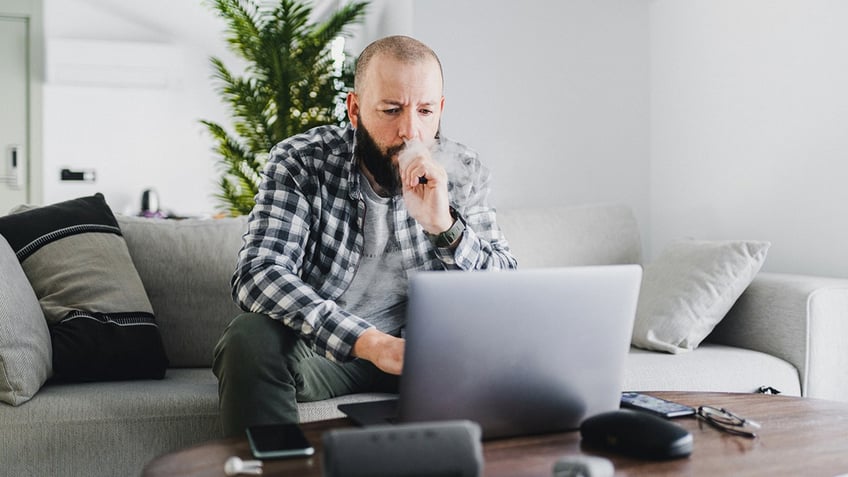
782 332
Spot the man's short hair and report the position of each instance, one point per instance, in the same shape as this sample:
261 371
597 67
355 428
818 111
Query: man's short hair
403 48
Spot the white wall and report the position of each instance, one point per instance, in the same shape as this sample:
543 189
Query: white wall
749 127
127 84
558 115
123 97
554 95
711 118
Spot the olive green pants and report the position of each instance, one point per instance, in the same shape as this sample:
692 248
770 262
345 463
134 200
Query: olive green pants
264 369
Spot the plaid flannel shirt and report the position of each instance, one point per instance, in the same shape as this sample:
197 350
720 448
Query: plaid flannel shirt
304 237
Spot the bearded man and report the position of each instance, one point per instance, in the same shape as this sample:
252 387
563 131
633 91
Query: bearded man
339 223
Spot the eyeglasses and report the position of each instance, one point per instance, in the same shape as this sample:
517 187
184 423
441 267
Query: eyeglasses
726 421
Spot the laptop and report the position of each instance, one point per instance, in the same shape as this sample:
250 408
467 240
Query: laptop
519 352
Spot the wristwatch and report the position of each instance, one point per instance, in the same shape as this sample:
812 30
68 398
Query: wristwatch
449 236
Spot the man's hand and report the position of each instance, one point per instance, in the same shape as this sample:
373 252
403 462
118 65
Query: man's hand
426 200
383 350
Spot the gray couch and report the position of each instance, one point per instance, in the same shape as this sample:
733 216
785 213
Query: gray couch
783 333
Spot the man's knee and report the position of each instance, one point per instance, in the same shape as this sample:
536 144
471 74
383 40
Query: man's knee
245 338
245 328
254 382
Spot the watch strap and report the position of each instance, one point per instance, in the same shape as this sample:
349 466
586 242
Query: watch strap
449 236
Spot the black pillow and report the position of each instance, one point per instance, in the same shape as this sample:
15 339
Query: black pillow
101 322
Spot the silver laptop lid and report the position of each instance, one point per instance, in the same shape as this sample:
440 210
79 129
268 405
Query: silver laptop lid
519 352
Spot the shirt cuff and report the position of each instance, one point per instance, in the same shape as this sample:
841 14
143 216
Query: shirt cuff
337 336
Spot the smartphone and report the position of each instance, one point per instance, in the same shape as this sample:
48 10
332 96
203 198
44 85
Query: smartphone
277 441
655 405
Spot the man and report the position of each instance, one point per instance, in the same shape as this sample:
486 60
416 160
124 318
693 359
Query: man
338 224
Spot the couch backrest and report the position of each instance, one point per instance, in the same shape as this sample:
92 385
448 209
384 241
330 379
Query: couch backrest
572 235
186 266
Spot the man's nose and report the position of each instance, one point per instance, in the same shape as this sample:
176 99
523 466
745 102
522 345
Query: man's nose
409 127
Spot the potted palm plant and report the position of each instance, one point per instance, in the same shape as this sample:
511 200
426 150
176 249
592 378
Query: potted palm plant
291 83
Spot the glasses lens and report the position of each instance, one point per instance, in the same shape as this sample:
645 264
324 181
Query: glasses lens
725 420
722 415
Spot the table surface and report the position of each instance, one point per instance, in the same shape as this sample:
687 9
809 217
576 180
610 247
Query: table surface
798 437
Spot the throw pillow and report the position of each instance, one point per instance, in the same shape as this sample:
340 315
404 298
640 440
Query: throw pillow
100 320
689 288
25 355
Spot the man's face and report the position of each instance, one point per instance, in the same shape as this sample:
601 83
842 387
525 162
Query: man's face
381 163
398 102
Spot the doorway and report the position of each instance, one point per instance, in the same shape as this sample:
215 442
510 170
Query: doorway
14 114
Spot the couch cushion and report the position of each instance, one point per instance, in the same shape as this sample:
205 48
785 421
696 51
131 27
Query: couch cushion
689 288
186 266
143 419
328 409
711 367
25 353
109 428
572 235
101 323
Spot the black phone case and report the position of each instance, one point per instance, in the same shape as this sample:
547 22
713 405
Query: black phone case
278 441
655 405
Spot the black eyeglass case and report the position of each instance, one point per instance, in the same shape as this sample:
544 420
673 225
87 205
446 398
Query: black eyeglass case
636 434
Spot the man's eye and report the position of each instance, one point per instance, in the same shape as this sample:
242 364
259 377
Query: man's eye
425 112
392 111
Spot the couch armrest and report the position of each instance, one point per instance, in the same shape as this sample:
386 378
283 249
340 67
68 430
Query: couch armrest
801 319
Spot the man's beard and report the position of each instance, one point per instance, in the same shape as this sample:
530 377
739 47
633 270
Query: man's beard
385 172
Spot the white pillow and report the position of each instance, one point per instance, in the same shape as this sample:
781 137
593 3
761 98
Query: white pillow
689 288
26 358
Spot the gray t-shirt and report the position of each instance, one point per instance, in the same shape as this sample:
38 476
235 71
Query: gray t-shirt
378 291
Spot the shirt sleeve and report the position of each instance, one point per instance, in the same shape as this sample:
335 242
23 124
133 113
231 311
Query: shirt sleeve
268 278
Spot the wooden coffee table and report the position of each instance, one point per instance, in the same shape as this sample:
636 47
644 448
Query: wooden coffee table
798 437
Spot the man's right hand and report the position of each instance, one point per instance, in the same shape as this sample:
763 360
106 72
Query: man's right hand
383 350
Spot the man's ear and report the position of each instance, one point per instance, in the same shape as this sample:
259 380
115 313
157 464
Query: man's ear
353 109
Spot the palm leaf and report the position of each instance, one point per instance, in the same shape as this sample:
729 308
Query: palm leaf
291 84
